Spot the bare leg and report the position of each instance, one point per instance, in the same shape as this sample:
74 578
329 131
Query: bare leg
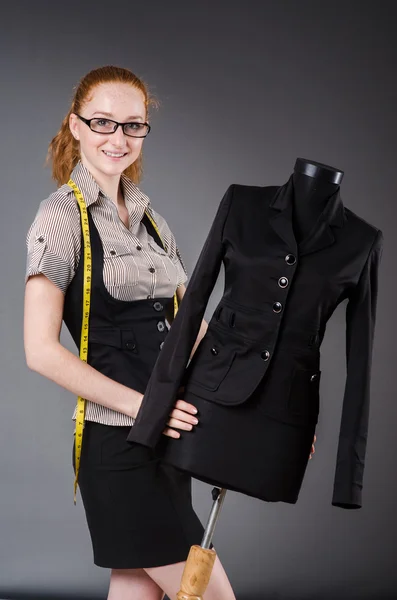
168 578
133 584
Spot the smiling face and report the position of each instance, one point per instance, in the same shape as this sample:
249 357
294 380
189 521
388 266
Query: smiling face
107 156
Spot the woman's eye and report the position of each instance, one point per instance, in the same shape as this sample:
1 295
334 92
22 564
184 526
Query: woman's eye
102 122
134 126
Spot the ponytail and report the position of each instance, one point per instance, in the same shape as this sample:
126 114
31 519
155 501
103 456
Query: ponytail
63 152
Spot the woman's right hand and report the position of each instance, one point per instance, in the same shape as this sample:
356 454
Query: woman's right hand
181 417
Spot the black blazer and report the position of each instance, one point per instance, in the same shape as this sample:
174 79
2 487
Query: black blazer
265 334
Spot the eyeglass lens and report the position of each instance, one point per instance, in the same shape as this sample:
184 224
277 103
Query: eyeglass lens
131 129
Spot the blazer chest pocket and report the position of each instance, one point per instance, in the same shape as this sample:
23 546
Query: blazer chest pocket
304 399
210 363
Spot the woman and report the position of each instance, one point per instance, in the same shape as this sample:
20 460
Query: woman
139 511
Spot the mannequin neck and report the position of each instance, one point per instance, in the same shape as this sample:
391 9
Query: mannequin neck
314 184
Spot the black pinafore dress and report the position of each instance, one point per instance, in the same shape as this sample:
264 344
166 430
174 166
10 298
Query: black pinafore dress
138 510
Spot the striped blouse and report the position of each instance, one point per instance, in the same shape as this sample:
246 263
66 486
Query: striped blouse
54 245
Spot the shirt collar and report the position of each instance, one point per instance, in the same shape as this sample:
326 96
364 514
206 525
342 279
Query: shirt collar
86 183
135 200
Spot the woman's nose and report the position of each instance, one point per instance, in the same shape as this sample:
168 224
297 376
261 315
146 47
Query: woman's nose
117 138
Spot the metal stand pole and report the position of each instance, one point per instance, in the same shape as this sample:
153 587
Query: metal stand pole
201 559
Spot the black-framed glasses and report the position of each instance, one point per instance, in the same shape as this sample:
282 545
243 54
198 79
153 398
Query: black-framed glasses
106 126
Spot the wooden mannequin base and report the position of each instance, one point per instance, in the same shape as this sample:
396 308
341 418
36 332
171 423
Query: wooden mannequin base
197 573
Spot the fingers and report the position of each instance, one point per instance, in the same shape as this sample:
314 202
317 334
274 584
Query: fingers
312 451
171 433
183 416
180 419
174 424
178 424
185 406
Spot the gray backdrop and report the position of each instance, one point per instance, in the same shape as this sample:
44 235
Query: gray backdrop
245 88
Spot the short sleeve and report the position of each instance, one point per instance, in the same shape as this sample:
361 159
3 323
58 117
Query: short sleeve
171 247
54 239
183 275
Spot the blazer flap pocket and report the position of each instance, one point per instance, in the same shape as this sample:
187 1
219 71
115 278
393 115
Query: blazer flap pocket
239 321
225 373
211 362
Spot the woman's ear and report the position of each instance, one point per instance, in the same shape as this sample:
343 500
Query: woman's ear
73 126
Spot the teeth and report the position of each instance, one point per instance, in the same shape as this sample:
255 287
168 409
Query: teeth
113 154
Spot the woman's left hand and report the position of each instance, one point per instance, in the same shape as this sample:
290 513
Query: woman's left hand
181 417
312 451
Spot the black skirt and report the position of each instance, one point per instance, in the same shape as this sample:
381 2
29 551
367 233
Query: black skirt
139 510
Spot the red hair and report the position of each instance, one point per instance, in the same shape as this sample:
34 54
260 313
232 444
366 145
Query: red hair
63 151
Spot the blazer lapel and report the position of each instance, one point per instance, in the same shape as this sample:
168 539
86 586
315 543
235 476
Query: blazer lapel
321 236
281 215
320 239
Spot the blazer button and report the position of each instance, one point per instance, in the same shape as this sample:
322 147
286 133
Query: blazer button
161 345
277 307
265 355
214 351
160 326
313 377
130 345
158 306
283 282
290 259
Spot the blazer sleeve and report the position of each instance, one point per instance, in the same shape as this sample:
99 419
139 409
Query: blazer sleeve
360 325
161 392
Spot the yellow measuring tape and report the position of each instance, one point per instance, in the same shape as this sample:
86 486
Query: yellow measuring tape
80 412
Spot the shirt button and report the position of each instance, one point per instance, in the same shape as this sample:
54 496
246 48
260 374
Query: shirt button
290 259
149 297
265 355
277 307
139 247
40 239
152 269
283 282
112 252
158 306
160 326
130 345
